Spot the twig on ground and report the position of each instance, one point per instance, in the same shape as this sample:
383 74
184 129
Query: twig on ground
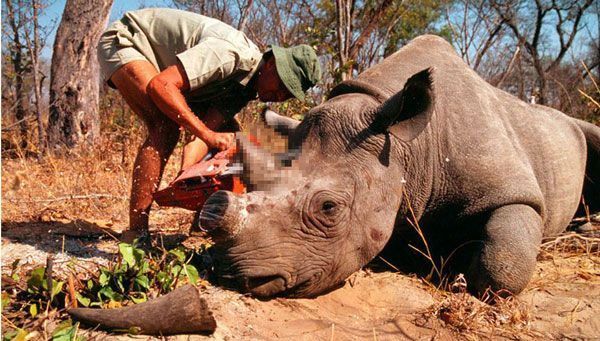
571 236
70 197
573 243
389 264
110 234
332 331
31 118
7 320
49 264
72 296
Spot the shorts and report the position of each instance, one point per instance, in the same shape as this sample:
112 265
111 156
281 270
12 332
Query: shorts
116 49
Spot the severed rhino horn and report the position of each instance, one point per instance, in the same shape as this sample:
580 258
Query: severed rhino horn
260 167
221 213
182 311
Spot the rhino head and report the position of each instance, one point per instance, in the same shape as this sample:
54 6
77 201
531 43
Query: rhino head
327 207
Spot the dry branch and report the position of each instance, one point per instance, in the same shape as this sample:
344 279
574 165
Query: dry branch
70 197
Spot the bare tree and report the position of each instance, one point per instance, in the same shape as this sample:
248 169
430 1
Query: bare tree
74 84
245 7
365 32
344 10
476 29
232 12
15 23
23 75
529 22
285 23
33 45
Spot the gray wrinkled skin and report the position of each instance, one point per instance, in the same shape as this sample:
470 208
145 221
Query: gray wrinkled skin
485 175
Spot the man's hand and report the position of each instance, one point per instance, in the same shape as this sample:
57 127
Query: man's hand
221 141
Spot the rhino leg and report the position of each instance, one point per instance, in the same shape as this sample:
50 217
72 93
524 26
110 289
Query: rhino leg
591 186
506 259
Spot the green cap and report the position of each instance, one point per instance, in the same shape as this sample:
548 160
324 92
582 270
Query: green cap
298 68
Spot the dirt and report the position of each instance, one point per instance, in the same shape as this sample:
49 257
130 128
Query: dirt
561 302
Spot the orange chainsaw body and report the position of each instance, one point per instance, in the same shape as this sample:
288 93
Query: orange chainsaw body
193 187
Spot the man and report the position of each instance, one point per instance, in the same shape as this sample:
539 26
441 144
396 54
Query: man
180 69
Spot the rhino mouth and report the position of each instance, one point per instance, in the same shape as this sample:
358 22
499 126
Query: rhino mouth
264 286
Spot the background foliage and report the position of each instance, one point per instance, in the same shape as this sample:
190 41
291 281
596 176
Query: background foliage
541 51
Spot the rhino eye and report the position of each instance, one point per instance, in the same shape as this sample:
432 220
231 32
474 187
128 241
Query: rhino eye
324 212
329 207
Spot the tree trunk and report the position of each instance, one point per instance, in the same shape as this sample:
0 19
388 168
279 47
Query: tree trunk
344 31
244 15
74 77
34 52
22 103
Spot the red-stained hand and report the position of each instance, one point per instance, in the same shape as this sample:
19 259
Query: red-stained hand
220 141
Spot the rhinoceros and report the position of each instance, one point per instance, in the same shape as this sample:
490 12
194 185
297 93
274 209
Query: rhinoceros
418 150
481 176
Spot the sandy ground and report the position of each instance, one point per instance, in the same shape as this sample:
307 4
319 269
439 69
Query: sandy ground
561 302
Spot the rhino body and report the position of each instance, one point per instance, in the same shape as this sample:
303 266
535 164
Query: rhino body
420 151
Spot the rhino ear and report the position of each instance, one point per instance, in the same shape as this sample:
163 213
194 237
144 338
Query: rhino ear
407 113
281 124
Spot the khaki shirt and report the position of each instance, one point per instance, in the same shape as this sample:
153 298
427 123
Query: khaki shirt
217 58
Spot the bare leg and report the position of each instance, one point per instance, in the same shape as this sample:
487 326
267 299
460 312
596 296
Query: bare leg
193 152
131 80
506 259
196 149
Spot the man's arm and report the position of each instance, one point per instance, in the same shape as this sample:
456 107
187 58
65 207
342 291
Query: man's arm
166 91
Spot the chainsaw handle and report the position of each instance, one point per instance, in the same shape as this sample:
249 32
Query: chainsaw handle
208 156
229 152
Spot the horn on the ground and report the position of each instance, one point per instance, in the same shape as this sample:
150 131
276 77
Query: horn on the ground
182 311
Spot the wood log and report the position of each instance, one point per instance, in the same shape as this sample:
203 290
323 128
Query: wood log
181 311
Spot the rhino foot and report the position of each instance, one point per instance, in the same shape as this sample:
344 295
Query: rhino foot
506 259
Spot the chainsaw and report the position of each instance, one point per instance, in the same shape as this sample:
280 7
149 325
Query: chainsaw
192 187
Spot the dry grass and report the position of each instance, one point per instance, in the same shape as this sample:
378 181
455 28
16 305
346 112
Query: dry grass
92 184
499 314
74 195
570 244
473 318
569 258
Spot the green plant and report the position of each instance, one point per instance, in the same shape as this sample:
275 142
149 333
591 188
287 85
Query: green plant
38 286
67 331
135 274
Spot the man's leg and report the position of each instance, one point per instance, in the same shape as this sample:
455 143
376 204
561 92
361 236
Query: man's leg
196 149
193 151
131 80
